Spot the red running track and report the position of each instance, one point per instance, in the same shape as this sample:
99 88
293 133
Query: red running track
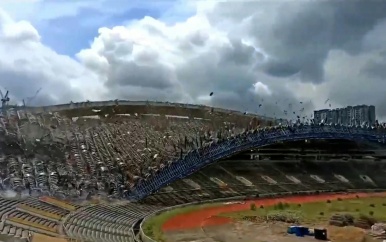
207 216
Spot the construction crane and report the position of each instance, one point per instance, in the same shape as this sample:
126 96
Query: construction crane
4 99
30 99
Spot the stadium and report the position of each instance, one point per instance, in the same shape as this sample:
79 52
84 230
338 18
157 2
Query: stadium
101 171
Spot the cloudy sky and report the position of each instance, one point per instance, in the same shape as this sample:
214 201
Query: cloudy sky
283 54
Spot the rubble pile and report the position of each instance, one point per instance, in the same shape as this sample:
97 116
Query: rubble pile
293 217
254 219
378 230
341 220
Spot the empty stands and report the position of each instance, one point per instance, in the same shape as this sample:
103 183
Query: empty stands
106 222
62 158
254 171
21 218
44 218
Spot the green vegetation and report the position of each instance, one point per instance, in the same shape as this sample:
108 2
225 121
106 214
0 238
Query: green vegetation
253 207
153 226
318 211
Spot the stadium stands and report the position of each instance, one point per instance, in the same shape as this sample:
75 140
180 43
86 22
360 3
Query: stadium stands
27 217
54 158
215 150
266 178
106 222
20 218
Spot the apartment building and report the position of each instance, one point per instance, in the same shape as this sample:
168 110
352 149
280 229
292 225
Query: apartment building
351 115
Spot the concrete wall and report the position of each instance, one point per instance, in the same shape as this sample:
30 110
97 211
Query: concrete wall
146 238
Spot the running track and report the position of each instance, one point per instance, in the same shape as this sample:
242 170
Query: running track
207 216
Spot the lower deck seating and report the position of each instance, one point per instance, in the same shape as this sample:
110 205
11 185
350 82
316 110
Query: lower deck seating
252 177
22 218
33 223
8 206
113 222
59 203
106 222
14 231
42 209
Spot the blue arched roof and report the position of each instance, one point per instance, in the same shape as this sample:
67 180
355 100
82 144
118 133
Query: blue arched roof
199 158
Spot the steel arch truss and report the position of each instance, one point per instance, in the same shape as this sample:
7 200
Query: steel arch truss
199 158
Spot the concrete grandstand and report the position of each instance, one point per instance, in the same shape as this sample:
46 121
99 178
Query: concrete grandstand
69 171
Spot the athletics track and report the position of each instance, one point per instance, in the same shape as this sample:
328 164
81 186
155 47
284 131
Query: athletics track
207 216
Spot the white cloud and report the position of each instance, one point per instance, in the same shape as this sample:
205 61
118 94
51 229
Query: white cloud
26 65
262 89
20 31
184 62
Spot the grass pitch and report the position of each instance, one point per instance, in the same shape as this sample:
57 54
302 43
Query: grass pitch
318 212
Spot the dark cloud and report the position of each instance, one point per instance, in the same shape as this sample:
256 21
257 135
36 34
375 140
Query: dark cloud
296 51
155 76
238 53
375 69
283 69
299 35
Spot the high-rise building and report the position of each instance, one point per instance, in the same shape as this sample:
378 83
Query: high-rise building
351 115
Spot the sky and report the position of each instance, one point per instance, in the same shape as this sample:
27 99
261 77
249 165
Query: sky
256 56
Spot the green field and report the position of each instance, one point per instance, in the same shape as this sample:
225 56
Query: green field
319 212
153 226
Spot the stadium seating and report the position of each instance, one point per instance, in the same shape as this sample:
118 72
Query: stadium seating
21 218
42 209
112 221
106 222
64 158
254 172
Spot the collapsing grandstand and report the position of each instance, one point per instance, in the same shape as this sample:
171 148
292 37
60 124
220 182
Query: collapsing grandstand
57 160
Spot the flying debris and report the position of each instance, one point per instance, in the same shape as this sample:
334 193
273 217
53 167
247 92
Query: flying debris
211 94
325 102
329 105
260 105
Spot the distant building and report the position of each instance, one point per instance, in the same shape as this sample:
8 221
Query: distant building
351 115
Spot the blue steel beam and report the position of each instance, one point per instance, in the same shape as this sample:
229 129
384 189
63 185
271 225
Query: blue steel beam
199 158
